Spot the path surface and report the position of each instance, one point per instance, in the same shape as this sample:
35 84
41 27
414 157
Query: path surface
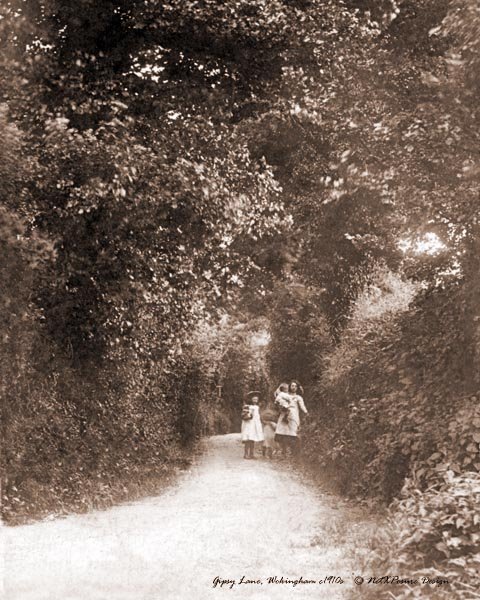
226 517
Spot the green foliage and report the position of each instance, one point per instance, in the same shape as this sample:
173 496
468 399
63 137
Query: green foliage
432 534
391 393
397 418
166 164
299 332
127 223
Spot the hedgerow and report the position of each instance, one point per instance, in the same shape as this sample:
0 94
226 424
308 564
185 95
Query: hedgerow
397 406
430 535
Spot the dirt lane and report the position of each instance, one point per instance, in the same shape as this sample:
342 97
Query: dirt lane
227 517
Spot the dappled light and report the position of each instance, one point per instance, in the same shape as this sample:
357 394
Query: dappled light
429 243
211 206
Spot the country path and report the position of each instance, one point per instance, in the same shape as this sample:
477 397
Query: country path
225 517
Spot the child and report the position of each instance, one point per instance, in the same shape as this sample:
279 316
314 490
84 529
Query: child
283 400
268 417
251 425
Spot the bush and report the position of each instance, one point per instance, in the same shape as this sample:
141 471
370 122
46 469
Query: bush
391 401
398 417
76 441
433 533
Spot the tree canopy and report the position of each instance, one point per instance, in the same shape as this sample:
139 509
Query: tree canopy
199 196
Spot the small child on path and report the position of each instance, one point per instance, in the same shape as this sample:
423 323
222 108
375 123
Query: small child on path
269 417
252 430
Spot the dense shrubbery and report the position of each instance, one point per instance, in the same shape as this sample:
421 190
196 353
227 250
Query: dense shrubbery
126 225
393 382
393 394
391 416
434 534
167 190
81 439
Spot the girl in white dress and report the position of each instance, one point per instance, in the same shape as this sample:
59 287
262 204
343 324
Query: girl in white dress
252 430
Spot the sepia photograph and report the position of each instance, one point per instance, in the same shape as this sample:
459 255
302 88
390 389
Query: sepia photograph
240 299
